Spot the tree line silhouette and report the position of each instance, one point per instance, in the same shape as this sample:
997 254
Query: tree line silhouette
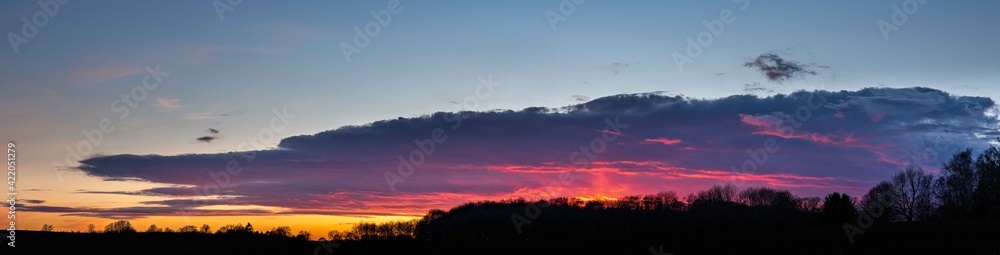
125 227
967 188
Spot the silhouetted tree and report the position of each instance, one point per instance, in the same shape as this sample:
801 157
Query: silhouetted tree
304 235
956 186
351 236
121 226
235 229
91 228
188 229
767 197
879 202
48 228
153 229
839 208
987 194
168 230
594 204
336 235
726 193
206 229
914 194
423 226
663 201
810 204
282 231
712 210
366 230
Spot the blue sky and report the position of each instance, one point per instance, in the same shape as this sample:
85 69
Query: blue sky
432 52
267 55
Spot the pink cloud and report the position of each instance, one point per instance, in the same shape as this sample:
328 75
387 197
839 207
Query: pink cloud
664 141
772 126
166 104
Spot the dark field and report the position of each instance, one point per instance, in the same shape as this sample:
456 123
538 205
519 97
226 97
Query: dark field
972 237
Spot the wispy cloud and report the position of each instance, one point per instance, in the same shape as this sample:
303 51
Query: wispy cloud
754 88
166 104
663 141
580 98
200 115
95 75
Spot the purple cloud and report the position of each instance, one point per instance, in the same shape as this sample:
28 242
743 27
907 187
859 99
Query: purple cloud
829 141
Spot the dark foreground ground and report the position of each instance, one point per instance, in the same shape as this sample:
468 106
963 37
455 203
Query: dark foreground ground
978 237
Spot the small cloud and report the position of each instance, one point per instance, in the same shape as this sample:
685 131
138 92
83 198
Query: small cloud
969 87
753 88
200 116
209 115
580 98
617 67
165 104
213 131
778 69
230 113
207 139
33 201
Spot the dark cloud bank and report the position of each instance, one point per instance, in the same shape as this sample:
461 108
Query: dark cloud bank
829 141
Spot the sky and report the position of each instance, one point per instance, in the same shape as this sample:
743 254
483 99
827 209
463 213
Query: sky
281 113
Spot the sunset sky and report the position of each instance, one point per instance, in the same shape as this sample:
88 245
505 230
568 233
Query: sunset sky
309 137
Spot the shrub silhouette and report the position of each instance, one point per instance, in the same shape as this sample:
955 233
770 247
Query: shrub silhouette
122 226
987 193
956 187
839 208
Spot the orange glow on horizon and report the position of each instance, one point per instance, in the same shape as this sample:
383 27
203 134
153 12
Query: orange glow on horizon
317 225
